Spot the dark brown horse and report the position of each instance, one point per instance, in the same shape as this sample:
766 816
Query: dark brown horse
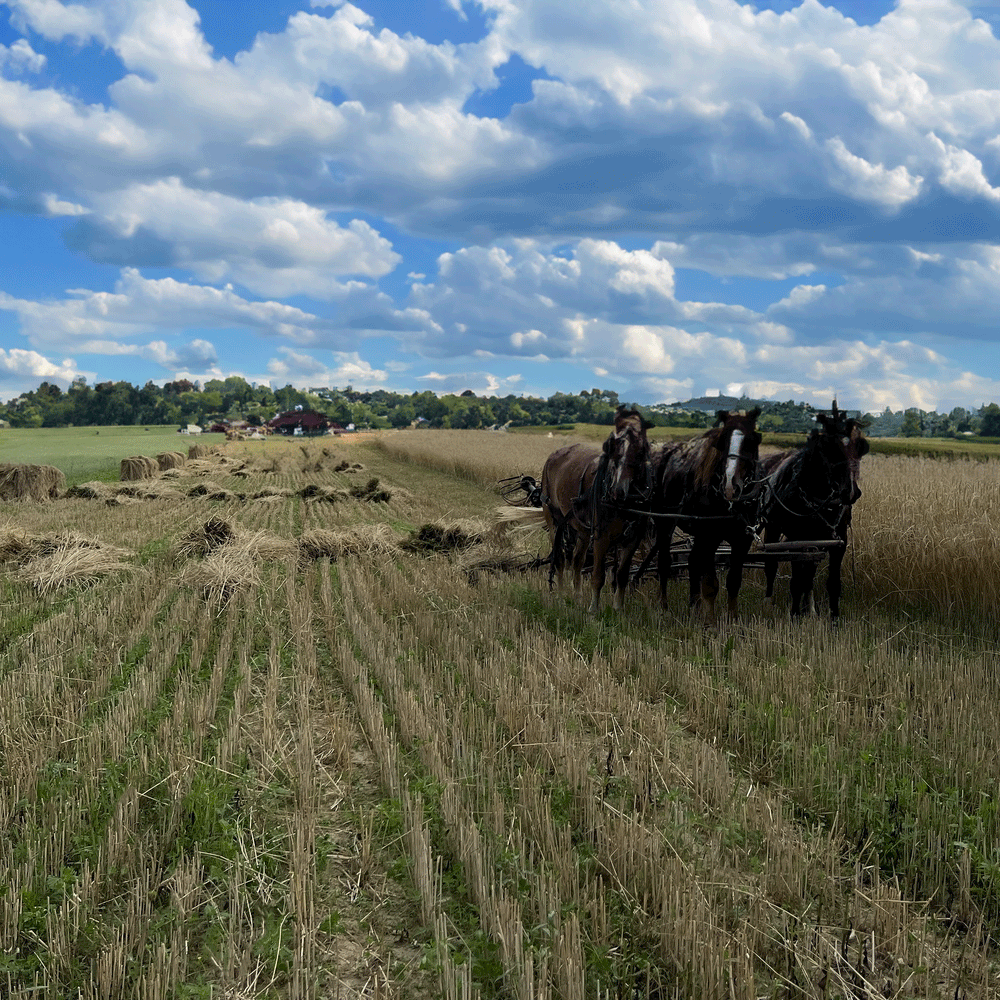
808 495
589 499
705 487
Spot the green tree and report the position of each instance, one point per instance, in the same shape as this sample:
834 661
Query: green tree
989 425
912 424
402 415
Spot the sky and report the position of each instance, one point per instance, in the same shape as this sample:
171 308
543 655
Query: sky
664 198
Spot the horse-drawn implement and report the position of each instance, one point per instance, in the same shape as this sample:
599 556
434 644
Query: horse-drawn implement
733 510
525 491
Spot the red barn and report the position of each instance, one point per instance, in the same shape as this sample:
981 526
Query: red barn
299 422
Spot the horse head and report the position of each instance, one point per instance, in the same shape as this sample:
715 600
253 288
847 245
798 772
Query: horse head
738 441
627 456
842 443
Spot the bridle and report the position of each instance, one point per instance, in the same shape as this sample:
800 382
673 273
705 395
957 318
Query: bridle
823 509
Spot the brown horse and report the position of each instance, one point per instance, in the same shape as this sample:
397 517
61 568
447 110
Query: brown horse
589 500
808 495
702 487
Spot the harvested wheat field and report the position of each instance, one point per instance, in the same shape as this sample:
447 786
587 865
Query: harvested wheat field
318 732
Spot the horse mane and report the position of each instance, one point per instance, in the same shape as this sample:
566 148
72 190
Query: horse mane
710 456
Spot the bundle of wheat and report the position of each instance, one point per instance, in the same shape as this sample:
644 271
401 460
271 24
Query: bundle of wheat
225 496
223 574
203 489
199 451
371 492
231 558
15 544
213 534
59 558
272 493
30 482
138 467
200 467
445 536
90 491
325 543
324 493
263 545
170 460
272 465
157 491
71 564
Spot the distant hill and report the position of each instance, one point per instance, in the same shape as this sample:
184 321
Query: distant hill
712 403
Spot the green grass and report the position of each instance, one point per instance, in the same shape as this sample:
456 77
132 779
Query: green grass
85 453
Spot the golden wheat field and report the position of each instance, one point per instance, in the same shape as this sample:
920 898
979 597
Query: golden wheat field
289 721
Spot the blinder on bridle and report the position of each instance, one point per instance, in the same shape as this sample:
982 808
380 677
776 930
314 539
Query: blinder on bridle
846 434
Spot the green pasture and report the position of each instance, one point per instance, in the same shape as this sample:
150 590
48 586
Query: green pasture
85 453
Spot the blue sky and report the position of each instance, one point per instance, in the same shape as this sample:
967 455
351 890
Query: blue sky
660 197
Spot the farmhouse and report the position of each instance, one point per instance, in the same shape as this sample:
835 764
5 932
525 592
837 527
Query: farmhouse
189 429
299 423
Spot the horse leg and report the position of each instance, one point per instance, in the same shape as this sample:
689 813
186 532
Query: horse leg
803 574
770 568
734 578
664 535
579 558
703 578
557 555
833 582
601 545
624 568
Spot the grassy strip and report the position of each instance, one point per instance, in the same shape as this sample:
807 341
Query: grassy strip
85 453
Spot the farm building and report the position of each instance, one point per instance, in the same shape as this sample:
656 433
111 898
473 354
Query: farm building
189 429
299 423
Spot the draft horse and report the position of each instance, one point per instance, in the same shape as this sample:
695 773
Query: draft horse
808 494
592 500
705 486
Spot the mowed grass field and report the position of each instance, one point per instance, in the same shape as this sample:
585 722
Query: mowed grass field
320 752
84 453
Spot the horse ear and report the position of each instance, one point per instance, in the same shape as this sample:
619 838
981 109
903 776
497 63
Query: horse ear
721 416
647 425
754 413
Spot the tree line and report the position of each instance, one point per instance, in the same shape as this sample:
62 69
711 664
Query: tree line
184 402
